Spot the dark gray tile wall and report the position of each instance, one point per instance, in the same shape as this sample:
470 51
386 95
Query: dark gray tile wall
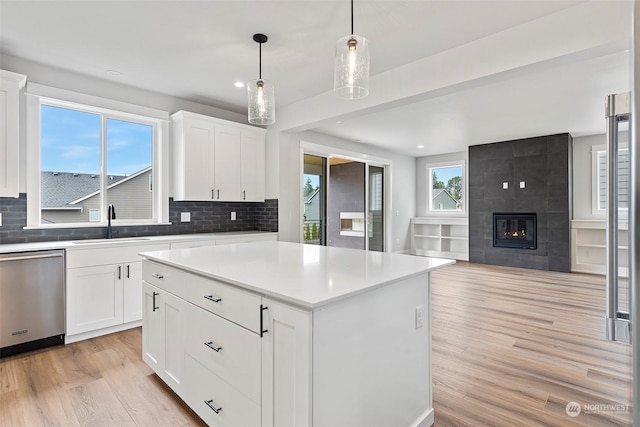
347 195
544 163
206 217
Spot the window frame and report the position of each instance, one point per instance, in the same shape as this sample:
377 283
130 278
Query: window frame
596 152
429 201
108 109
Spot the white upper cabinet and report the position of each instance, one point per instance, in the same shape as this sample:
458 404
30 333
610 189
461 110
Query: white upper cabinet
10 86
217 160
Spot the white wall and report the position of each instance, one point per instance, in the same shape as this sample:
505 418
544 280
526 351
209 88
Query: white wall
582 180
422 180
289 180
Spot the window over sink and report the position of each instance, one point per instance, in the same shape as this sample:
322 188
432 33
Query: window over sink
90 157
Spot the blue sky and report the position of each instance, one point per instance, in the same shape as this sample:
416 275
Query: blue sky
446 173
70 142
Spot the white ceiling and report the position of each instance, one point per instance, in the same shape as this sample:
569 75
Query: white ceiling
196 50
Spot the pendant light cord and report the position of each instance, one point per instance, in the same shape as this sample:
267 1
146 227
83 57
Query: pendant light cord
260 62
352 17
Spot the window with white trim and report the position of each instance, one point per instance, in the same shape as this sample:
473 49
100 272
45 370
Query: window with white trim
446 187
92 157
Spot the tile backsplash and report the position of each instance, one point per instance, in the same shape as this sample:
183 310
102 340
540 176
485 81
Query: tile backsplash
206 217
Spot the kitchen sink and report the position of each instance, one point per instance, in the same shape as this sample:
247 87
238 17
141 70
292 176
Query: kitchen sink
98 241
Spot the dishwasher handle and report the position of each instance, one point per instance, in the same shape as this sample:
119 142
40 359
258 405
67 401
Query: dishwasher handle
24 257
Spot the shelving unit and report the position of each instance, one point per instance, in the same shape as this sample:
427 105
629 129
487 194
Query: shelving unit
440 237
589 246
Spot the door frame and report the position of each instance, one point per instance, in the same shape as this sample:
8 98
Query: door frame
386 164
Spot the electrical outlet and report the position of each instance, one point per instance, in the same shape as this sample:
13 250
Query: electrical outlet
233 216
505 185
185 216
419 316
0 220
522 184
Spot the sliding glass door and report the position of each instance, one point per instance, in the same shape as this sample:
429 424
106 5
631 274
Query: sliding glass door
375 216
314 191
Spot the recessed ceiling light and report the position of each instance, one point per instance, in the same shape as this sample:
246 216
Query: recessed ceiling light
420 146
114 73
238 84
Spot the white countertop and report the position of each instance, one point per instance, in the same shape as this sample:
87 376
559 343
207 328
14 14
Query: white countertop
306 275
124 241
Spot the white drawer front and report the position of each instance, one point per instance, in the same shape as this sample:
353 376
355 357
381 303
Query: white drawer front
234 409
226 349
239 306
164 277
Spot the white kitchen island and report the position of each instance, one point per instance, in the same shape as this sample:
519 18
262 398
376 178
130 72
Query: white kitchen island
278 334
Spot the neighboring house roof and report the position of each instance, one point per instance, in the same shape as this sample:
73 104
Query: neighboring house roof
312 195
115 182
439 191
60 189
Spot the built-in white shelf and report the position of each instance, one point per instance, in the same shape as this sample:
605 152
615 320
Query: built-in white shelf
440 237
589 246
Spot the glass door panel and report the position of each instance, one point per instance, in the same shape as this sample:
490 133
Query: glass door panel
375 215
314 195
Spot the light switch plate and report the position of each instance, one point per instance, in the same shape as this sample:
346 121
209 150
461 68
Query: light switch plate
505 185
522 184
185 216
233 216
0 220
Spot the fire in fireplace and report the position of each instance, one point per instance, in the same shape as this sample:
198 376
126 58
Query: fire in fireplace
515 230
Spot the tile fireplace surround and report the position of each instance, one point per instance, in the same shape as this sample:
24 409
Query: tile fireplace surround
537 175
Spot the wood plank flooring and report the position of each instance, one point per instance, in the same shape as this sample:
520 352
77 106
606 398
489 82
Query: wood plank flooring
511 347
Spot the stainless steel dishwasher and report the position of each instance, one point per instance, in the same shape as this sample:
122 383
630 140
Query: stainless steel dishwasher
31 300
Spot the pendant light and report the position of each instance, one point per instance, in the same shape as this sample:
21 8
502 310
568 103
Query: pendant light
261 94
351 67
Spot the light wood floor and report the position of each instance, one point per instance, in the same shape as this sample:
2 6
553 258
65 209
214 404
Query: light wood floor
510 348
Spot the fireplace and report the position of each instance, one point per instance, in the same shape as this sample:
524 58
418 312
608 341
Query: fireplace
514 230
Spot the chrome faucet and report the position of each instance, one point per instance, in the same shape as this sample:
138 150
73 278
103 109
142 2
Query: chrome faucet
111 214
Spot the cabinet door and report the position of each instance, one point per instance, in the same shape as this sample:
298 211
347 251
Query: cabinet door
10 85
94 298
286 366
199 139
227 164
132 292
152 328
252 166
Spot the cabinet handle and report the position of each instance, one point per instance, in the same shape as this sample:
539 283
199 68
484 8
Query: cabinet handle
128 275
153 304
212 190
209 403
244 194
119 272
157 276
212 298
262 330
212 346
218 194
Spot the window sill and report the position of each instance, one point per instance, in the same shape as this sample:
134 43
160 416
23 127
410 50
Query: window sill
92 225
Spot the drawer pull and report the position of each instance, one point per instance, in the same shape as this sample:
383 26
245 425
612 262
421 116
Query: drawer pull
212 298
209 403
212 346
157 276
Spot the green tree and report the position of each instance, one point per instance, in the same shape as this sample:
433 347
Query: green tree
308 188
436 182
315 232
307 232
454 187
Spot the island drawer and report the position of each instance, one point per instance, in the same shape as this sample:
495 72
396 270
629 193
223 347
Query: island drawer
215 401
226 349
164 277
237 305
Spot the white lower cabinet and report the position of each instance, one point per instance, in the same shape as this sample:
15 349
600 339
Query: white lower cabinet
103 296
163 337
94 298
